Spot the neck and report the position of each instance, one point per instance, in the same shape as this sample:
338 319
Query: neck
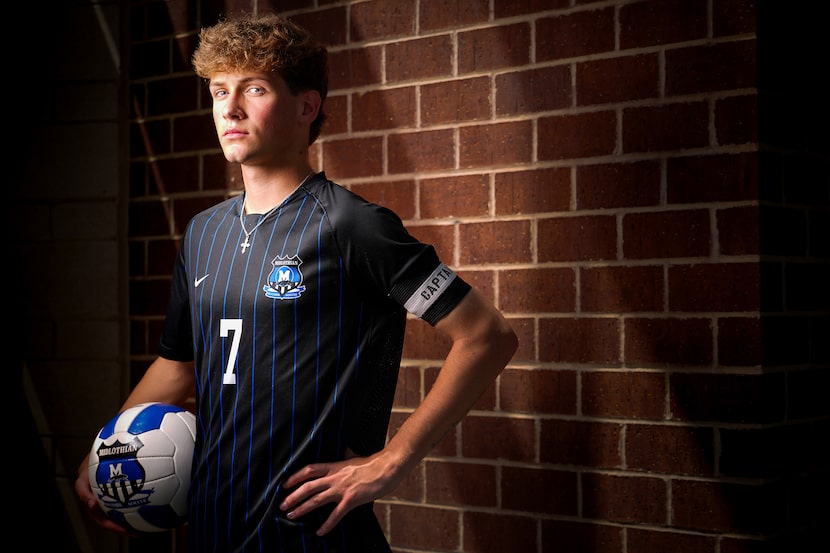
266 190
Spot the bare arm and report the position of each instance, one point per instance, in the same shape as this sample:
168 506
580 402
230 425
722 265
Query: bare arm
165 381
482 345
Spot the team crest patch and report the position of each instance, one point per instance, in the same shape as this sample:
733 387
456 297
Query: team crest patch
285 282
120 476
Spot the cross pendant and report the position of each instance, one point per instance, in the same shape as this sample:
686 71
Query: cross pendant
245 245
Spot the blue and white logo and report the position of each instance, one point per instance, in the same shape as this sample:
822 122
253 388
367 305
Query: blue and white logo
285 282
120 476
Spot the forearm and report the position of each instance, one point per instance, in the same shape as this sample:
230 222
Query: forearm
483 344
165 381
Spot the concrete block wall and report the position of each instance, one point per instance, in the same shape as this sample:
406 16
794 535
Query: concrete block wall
625 180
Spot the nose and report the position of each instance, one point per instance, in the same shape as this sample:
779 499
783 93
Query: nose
232 108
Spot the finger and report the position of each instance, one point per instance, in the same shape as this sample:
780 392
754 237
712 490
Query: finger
306 498
308 472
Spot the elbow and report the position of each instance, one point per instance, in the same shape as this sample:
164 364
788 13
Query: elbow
505 342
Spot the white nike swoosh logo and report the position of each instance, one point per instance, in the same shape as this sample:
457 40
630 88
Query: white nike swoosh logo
198 281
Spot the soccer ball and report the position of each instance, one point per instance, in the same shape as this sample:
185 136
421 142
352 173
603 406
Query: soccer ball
139 466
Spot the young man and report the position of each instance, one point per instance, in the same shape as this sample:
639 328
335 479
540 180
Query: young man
286 323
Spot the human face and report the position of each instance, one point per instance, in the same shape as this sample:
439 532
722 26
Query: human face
257 118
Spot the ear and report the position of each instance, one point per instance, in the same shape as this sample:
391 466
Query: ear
308 106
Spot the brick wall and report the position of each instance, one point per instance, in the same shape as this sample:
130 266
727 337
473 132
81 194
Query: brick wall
604 172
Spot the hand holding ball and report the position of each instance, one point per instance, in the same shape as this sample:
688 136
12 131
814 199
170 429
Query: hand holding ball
139 466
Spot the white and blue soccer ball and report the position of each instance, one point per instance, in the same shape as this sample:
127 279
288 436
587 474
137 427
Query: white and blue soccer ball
139 466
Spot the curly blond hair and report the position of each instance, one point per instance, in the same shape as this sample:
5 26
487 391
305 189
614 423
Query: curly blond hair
267 43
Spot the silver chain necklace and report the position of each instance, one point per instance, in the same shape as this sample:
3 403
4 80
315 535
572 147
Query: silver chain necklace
247 243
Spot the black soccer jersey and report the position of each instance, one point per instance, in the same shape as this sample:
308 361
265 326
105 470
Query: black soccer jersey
297 334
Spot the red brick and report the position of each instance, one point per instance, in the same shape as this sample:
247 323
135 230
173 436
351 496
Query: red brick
155 328
328 25
670 449
424 58
666 234
495 242
496 144
360 66
455 101
337 115
533 191
381 19
736 120
525 329
712 178
498 438
393 108
662 22
441 237
153 138
537 391
493 48
533 90
728 398
498 533
614 289
631 395
711 67
148 297
539 490
408 391
676 542
450 14
150 218
460 196
579 340
398 196
581 443
161 255
619 79
538 289
727 507
765 452
173 95
565 36
613 185
139 339
805 388
714 287
734 17
577 136
461 484
420 151
353 157
174 175
665 127
150 59
668 341
573 536
407 525
219 174
583 238
521 7
195 132
739 341
624 498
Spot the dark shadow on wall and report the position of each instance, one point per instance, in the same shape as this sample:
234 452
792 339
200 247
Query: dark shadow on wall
41 519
